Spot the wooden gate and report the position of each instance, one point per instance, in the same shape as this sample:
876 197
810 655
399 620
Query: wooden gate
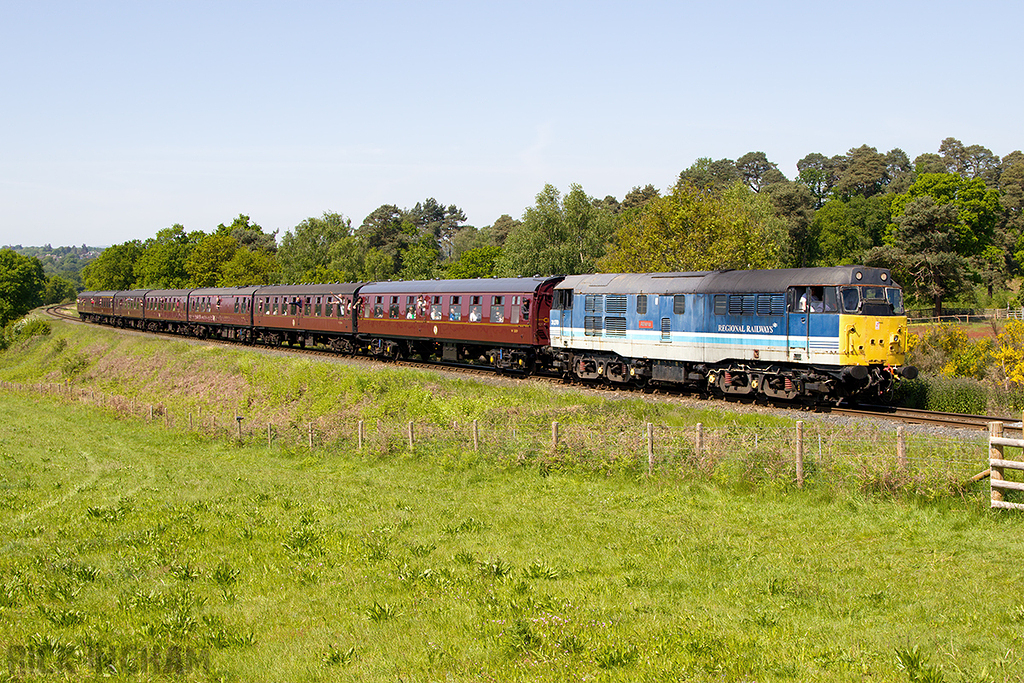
998 465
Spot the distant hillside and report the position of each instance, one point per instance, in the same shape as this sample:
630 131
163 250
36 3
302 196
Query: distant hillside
67 262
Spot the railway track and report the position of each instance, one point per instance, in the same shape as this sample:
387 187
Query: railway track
894 414
928 417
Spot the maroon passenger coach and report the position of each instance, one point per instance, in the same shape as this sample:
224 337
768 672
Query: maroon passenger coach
306 314
502 320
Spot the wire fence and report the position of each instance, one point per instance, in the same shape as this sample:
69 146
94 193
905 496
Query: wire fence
812 451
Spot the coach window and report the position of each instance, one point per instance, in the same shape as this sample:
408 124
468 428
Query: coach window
318 307
393 308
641 304
236 306
679 304
410 308
455 308
526 310
378 307
309 306
476 310
435 308
498 309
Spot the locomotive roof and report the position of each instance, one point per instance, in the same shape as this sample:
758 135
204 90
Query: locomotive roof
727 280
481 286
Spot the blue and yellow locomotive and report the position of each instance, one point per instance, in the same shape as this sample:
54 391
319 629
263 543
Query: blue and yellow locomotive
792 334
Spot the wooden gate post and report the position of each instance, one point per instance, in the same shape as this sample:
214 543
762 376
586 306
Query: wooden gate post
995 455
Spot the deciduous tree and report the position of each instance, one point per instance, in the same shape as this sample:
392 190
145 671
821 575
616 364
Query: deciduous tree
21 285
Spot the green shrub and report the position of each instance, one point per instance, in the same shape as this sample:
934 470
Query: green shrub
956 395
945 394
25 328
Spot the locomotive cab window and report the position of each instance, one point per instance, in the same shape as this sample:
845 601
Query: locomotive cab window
562 300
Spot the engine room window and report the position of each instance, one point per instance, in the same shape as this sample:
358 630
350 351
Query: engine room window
721 304
679 304
641 304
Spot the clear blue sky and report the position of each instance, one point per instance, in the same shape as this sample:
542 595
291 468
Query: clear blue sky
118 119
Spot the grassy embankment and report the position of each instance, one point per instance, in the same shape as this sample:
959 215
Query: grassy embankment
443 564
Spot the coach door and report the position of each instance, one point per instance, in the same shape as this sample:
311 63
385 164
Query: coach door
797 328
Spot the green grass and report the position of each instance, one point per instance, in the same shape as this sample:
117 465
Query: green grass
408 568
121 538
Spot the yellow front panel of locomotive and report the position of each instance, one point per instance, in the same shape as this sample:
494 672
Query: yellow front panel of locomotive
869 340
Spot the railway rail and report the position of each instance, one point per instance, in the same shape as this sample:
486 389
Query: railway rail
891 413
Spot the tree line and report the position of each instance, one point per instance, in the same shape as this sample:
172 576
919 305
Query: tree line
948 224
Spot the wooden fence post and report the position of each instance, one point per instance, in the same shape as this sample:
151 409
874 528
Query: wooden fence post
310 436
650 449
554 437
995 453
411 443
901 448
700 441
270 435
360 435
476 436
800 454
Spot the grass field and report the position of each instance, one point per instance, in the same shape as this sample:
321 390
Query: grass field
146 553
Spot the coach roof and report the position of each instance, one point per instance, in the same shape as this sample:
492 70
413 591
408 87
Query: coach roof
481 286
